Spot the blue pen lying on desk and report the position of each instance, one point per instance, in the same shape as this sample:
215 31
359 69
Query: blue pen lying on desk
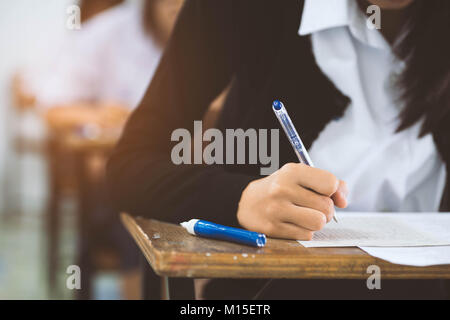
216 231
292 135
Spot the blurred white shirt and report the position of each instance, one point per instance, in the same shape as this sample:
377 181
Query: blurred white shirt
385 171
111 58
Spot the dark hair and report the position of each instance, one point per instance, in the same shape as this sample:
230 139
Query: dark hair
425 82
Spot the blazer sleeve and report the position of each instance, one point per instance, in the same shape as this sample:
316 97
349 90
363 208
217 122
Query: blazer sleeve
197 65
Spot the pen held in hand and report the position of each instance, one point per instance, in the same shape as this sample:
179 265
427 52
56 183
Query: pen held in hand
293 136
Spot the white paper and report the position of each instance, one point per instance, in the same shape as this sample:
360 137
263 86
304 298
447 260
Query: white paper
361 229
412 256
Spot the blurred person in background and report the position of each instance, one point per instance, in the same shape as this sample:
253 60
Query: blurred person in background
101 74
107 65
22 82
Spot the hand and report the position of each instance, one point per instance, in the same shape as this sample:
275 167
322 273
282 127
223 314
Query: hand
291 203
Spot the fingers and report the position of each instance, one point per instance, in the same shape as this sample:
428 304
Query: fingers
289 231
340 196
292 203
303 217
306 198
320 181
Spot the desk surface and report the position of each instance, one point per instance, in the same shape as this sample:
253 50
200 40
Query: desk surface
172 252
75 143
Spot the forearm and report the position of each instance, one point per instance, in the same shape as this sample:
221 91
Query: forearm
196 66
156 188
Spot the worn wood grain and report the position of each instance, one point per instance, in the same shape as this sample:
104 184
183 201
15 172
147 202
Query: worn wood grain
172 252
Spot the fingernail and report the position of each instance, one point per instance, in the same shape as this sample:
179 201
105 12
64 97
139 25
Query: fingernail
344 196
344 190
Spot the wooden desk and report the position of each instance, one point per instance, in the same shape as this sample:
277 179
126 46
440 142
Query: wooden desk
172 252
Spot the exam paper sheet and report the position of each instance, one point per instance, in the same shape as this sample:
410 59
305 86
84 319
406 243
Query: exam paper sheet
362 229
412 256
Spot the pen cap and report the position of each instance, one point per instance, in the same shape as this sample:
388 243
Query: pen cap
217 231
277 105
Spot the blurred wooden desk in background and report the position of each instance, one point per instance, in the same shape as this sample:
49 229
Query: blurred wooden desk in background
68 155
172 252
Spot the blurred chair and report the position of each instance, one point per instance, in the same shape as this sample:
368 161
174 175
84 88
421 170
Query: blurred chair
61 186
76 158
22 141
86 73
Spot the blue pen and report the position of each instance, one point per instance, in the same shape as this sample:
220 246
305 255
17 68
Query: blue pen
293 136
216 231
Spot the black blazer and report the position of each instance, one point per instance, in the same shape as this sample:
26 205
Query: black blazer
255 45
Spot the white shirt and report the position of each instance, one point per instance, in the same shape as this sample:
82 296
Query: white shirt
111 58
385 171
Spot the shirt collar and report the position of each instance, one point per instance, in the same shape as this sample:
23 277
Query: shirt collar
319 15
323 14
